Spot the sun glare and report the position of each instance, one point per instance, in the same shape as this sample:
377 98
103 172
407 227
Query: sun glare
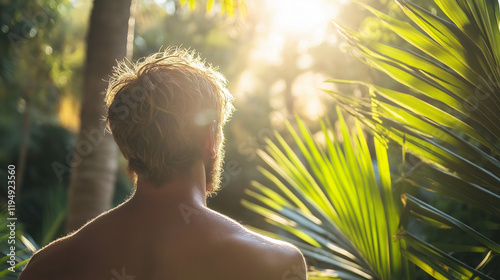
285 35
298 16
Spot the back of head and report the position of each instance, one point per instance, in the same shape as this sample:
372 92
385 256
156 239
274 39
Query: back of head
159 107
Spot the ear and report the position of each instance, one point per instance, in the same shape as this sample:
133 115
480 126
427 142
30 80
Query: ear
211 142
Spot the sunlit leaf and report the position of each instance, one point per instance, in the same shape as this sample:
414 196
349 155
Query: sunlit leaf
352 214
445 111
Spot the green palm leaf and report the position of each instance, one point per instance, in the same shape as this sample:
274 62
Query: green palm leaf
341 212
334 204
447 115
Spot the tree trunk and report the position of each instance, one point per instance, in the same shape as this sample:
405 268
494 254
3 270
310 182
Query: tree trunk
94 164
23 148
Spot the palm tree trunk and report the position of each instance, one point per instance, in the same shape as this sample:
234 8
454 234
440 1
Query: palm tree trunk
94 163
23 149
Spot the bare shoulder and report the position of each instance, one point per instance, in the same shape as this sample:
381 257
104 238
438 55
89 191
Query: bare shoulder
255 256
61 257
45 260
269 258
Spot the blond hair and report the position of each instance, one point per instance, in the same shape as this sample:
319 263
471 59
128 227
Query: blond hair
157 110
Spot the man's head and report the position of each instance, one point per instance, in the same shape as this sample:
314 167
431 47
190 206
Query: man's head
162 109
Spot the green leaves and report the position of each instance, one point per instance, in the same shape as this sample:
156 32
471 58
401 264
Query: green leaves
445 111
435 262
338 208
24 248
437 218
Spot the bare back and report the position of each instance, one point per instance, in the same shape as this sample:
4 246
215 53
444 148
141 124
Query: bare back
181 242
165 231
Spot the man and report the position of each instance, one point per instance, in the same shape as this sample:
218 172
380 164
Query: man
166 114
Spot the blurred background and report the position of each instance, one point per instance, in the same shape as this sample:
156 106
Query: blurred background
276 56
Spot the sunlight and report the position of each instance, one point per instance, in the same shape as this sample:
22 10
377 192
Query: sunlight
286 32
293 23
297 16
311 105
68 116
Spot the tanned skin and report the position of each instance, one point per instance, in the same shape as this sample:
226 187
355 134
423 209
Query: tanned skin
166 232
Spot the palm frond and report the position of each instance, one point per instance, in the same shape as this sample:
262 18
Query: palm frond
335 205
445 111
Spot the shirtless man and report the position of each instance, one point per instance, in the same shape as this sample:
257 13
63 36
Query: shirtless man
166 114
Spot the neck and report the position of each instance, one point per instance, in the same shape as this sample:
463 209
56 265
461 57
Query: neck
187 186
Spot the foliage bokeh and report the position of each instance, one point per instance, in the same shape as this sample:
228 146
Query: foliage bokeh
272 73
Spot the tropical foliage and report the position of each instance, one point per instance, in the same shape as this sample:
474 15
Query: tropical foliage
53 218
13 260
442 109
335 201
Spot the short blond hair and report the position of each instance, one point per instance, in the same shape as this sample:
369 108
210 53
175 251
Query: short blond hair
157 109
